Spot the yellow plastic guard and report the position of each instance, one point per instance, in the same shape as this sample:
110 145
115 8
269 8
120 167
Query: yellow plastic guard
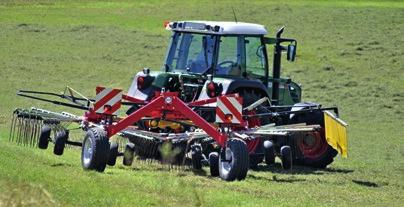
335 133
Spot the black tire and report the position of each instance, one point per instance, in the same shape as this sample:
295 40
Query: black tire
128 154
269 152
197 157
214 164
95 150
325 157
60 142
44 137
234 160
286 157
113 153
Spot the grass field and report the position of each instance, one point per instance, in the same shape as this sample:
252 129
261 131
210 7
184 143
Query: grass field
350 54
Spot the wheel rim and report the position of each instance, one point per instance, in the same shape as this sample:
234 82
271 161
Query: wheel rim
313 145
227 164
87 151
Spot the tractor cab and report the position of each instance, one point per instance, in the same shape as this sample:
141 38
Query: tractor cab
218 48
230 56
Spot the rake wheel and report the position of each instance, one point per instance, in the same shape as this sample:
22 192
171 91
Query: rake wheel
44 136
234 160
95 150
60 142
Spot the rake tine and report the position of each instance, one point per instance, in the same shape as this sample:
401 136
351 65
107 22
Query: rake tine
14 129
33 126
10 139
25 131
20 126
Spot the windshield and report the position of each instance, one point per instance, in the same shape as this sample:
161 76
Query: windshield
191 52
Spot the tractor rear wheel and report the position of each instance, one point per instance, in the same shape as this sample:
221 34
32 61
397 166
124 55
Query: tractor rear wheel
234 160
313 147
60 142
95 150
44 137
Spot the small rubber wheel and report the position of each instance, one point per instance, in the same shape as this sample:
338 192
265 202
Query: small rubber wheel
95 150
44 137
196 153
128 154
234 160
113 153
60 142
286 157
269 152
214 164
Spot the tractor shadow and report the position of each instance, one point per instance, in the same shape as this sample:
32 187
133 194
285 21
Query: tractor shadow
300 170
61 165
366 183
276 179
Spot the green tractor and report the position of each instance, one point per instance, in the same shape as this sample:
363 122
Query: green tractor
206 59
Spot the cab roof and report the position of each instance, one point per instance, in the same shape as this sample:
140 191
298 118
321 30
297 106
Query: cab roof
221 28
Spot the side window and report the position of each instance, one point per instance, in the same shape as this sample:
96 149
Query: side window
255 58
229 57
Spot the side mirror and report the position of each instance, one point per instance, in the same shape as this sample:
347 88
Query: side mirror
291 53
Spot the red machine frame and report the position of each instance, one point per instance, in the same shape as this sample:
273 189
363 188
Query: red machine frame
167 105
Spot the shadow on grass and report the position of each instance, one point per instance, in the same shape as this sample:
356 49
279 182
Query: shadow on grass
366 183
276 179
299 170
61 165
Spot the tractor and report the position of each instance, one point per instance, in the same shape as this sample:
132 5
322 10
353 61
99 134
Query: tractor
207 59
217 101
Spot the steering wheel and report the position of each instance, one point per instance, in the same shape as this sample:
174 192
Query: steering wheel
231 63
225 67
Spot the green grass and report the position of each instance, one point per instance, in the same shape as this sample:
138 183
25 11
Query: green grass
350 55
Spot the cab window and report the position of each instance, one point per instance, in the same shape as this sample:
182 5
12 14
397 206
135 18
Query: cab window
229 57
255 57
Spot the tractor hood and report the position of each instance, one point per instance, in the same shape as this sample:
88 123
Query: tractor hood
145 84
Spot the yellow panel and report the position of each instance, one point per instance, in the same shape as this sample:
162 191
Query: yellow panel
335 133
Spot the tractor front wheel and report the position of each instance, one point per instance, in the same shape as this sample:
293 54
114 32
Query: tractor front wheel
234 160
95 150
315 149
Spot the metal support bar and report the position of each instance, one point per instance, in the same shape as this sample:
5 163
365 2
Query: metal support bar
168 102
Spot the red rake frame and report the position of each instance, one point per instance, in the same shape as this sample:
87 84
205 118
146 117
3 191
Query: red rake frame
167 105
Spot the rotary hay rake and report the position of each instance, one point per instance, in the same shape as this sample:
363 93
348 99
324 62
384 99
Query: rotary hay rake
227 146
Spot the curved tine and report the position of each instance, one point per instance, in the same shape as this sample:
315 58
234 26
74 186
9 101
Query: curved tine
10 139
16 129
40 125
37 126
33 129
28 131
20 126
25 131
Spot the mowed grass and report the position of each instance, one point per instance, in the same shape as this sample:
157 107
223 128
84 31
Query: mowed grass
349 54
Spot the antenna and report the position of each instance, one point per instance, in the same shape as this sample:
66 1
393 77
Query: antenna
234 13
